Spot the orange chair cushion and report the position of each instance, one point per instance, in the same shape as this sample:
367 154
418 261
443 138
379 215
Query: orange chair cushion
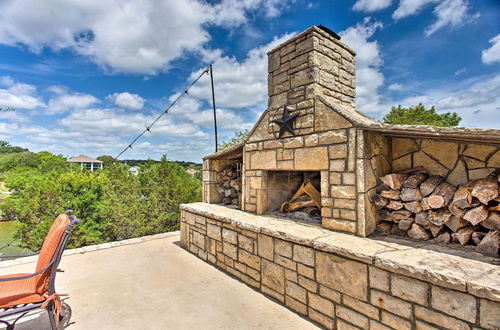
48 251
18 292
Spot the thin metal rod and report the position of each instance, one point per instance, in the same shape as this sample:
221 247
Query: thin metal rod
213 105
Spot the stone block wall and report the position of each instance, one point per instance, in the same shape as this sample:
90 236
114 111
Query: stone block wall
336 291
459 162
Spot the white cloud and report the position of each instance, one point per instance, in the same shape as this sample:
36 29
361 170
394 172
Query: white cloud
18 95
369 77
477 100
396 87
66 102
451 12
127 100
492 54
134 36
410 7
460 71
238 84
371 5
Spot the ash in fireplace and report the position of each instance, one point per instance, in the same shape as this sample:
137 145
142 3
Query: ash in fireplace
297 216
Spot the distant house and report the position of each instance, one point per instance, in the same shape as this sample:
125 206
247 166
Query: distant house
87 163
134 170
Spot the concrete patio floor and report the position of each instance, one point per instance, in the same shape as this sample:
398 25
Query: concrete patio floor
157 285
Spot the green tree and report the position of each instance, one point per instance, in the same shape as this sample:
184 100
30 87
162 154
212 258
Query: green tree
419 115
6 148
239 137
108 160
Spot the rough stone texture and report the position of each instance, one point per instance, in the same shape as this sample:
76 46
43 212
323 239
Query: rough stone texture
350 281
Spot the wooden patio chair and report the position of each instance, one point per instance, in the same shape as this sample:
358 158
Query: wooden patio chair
22 293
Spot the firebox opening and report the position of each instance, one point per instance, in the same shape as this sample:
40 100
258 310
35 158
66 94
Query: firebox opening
294 195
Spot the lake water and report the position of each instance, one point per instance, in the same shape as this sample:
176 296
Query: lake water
7 230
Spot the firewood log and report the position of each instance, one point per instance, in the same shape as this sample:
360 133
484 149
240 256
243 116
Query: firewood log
384 228
410 194
418 233
441 196
425 203
415 207
406 224
413 170
476 215
428 186
455 223
423 219
462 198
495 208
414 180
400 215
493 221
439 217
379 201
463 235
490 244
443 238
391 194
485 190
455 210
394 180
396 231
385 215
394 205
435 230
477 236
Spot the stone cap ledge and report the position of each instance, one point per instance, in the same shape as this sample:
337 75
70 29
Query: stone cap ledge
479 278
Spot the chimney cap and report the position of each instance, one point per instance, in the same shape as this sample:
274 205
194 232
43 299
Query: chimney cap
330 32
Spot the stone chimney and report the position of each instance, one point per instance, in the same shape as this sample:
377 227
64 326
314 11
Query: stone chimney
313 63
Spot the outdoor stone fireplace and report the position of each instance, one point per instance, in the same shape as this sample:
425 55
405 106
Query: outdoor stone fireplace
311 133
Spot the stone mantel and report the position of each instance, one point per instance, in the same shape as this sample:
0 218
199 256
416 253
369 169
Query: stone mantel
476 277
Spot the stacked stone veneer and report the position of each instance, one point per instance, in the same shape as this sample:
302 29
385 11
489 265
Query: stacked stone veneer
342 281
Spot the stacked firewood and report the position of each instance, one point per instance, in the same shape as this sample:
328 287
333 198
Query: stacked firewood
424 206
229 185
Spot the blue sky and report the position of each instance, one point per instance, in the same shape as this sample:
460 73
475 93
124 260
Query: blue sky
86 76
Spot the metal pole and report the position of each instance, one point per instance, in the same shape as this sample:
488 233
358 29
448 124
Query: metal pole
213 104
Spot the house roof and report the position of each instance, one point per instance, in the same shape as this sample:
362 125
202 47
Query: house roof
83 159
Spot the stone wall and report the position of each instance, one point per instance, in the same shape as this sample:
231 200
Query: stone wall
342 281
458 162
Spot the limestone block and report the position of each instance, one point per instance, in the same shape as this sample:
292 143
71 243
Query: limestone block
321 304
454 303
249 259
374 325
311 140
348 214
255 182
296 305
287 48
352 317
198 240
433 167
314 158
304 255
344 203
230 250
327 119
335 178
263 160
325 321
184 235
328 293
265 246
401 163
337 224
246 243
331 137
402 147
272 144
301 78
310 285
285 165
347 276
273 61
395 322
391 304
362 307
230 236
479 151
494 160
458 175
283 248
480 173
337 165
291 275
379 279
348 192
445 152
273 276
296 291
489 314
285 262
278 296
306 45
473 163
439 319
337 151
301 59
305 271
295 142
409 289
214 232
349 178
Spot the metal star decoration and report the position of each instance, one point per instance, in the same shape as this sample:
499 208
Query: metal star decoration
286 123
